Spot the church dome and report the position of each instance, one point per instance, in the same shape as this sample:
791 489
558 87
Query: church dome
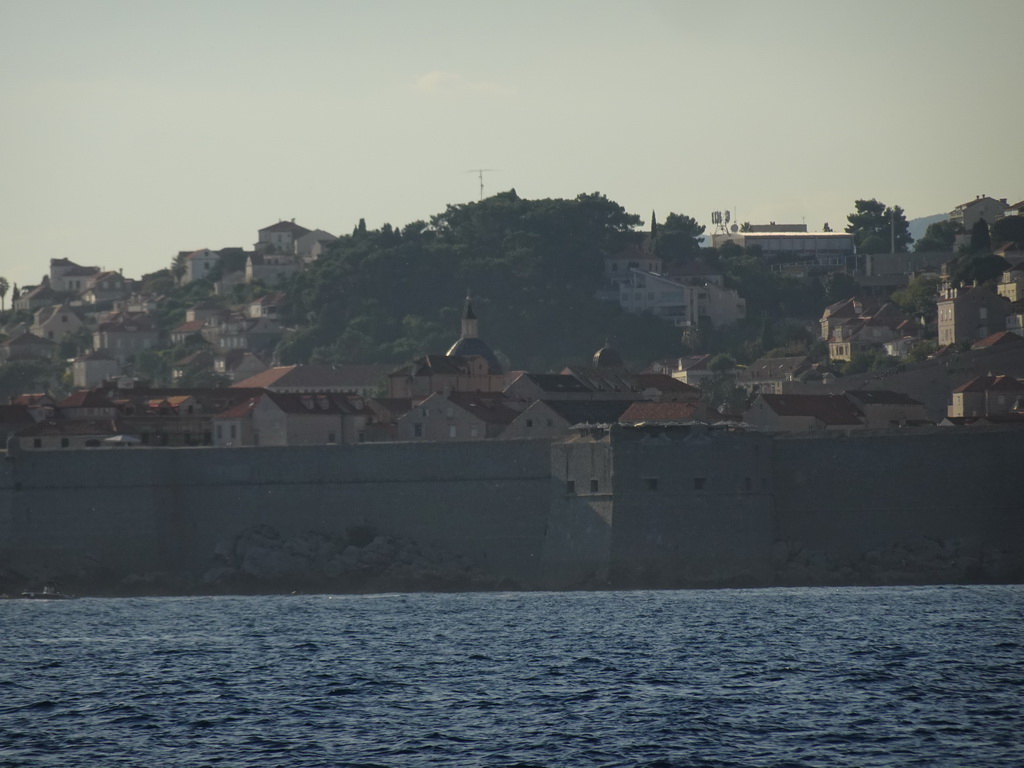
465 347
471 344
607 357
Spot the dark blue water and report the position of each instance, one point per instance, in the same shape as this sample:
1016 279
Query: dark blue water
798 677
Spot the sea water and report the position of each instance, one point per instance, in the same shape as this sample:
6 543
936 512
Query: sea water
929 676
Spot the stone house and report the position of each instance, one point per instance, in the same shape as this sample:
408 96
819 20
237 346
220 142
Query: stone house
34 298
93 368
985 396
199 264
839 313
530 387
771 375
1011 284
684 305
967 315
106 286
549 419
271 268
55 322
275 418
310 246
60 434
693 369
802 413
238 364
87 404
981 207
27 346
68 277
435 373
267 306
883 408
280 238
865 333
124 335
457 416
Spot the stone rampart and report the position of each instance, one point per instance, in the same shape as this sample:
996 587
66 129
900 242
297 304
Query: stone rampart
626 507
107 514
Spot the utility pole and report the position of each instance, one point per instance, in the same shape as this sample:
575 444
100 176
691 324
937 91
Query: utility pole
892 230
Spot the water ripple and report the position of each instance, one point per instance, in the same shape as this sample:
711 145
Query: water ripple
838 677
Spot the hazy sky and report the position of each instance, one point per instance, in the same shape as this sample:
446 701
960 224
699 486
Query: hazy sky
134 129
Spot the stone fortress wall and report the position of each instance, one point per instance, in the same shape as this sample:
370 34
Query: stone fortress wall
631 508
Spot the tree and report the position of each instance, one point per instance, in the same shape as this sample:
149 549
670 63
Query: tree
919 297
678 238
4 286
981 239
1009 229
877 228
940 236
978 268
839 286
21 376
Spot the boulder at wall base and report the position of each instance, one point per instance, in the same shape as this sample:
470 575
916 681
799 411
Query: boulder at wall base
261 559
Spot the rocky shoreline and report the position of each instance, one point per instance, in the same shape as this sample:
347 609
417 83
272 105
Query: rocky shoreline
260 561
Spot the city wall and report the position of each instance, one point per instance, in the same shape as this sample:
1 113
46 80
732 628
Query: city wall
136 511
629 508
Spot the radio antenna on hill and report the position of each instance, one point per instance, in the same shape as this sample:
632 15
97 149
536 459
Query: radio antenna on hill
480 172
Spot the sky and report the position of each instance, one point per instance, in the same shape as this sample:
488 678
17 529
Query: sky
134 129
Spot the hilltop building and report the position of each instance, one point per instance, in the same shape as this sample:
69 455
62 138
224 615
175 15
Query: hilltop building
790 248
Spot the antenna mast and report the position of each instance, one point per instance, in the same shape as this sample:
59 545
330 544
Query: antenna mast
480 172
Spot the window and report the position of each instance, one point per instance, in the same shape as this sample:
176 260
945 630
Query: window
449 412
593 486
529 423
417 430
37 442
64 442
651 483
570 486
220 432
474 432
983 313
451 431
234 431
699 483
550 423
331 438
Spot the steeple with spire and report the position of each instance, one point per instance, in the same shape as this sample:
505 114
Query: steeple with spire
470 342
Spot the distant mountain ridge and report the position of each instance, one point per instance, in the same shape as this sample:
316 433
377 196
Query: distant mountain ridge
919 226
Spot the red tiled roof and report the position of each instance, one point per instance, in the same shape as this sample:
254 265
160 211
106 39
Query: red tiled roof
644 411
85 398
191 326
1001 338
239 411
304 376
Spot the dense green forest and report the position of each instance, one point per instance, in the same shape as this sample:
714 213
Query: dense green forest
533 268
